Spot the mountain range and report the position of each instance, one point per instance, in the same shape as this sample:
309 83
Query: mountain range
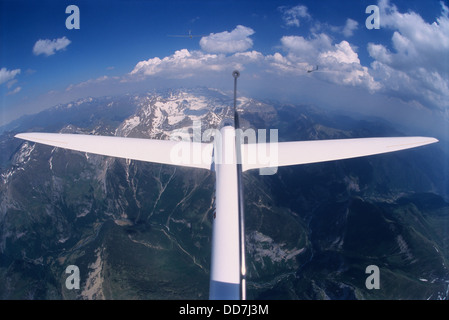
142 230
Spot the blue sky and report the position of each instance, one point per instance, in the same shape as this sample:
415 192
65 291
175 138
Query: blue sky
399 72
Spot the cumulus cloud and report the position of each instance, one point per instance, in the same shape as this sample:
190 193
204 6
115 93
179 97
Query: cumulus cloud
186 64
415 68
291 16
299 47
181 64
342 53
338 63
49 47
237 40
346 67
7 75
249 56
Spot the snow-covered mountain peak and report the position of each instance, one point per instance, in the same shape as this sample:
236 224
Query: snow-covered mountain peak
161 113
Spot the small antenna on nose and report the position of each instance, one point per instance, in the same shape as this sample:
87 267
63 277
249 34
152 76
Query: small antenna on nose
236 74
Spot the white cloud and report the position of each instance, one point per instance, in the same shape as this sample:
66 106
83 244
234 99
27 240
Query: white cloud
291 16
228 42
185 64
338 63
16 90
350 26
341 53
306 49
380 53
346 30
49 47
7 75
416 68
344 66
90 82
181 64
249 56
11 83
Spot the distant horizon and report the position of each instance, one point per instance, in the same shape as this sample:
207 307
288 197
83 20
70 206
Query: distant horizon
404 127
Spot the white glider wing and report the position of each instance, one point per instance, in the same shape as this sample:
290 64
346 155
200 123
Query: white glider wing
259 155
182 153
